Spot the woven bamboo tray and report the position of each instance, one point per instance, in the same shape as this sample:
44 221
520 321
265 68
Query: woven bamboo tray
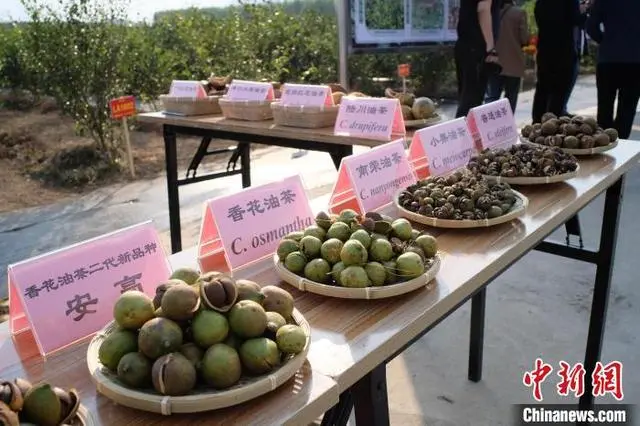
201 398
382 292
246 110
309 117
521 180
83 417
517 210
579 152
425 122
190 106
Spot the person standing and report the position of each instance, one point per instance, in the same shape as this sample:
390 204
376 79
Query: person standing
618 67
474 52
556 20
578 33
514 34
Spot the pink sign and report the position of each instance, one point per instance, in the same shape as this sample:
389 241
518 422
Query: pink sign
242 90
439 149
306 95
248 225
370 180
493 124
187 89
69 294
370 118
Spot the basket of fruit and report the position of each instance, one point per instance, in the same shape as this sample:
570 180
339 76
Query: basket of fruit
525 164
352 256
460 200
310 117
417 112
211 343
574 135
41 404
247 110
214 87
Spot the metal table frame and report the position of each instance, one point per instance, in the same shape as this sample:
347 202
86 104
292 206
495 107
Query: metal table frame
241 152
369 395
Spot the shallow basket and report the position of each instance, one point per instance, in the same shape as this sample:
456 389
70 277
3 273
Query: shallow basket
425 122
521 180
190 106
246 110
382 292
579 152
309 117
201 398
516 211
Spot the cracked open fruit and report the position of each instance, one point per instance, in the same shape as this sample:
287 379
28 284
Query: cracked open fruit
523 160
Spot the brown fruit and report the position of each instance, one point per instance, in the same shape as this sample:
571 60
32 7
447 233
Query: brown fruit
613 134
335 87
69 404
277 300
586 129
220 293
558 140
249 290
11 395
571 142
587 142
173 374
571 129
549 128
24 385
180 302
547 116
601 139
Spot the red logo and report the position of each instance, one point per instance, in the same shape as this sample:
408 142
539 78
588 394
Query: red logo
606 379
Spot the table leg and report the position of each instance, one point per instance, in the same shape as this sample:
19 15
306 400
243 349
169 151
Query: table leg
476 335
606 252
340 413
171 165
370 398
339 152
245 163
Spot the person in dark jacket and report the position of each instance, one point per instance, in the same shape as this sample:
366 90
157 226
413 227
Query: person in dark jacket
578 33
475 54
556 20
615 26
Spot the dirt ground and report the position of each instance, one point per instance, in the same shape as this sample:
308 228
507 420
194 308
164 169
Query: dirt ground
28 139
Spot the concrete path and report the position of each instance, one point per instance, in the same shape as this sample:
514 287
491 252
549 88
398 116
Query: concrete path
539 307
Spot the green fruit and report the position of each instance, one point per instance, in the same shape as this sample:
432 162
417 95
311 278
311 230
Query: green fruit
180 302
315 231
173 374
208 328
162 289
310 246
193 353
132 309
247 319
381 250
415 234
115 346
339 230
330 250
317 270
286 247
362 236
134 370
277 300
376 273
354 277
336 271
274 322
221 366
390 270
188 275
402 229
291 339
353 253
295 262
41 406
348 216
423 108
259 355
428 244
376 236
249 290
409 265
323 220
295 236
158 337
